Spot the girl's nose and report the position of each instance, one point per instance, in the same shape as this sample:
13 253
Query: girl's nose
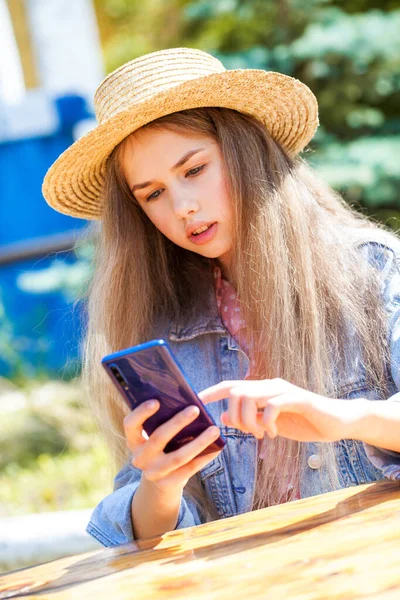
184 206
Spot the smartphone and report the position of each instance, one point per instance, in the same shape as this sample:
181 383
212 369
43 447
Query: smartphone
150 371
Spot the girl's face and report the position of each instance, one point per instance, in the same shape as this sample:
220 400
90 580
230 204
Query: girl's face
180 183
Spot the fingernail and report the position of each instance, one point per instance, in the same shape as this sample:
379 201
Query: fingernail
151 404
213 432
191 411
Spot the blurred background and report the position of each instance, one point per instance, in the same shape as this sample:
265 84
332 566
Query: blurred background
53 54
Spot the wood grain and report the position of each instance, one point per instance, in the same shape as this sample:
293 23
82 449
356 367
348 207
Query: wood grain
345 545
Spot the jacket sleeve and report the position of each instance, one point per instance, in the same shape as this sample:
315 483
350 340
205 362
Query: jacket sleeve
387 257
111 522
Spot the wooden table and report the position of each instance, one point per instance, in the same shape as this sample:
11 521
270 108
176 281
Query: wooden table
342 545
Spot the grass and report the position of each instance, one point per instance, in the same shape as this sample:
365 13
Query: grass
51 455
70 481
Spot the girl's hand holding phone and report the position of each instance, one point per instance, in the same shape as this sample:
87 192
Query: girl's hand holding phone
277 407
181 437
167 471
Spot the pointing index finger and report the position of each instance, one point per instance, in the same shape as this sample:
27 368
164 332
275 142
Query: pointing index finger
217 392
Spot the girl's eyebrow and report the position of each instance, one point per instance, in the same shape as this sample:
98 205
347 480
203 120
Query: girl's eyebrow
181 161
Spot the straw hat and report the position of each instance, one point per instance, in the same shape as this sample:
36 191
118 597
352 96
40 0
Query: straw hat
161 83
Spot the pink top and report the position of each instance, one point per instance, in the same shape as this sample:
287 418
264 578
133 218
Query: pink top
229 310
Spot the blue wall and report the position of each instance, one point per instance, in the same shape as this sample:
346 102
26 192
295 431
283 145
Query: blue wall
40 332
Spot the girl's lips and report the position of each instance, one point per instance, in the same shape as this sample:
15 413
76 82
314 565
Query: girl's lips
206 236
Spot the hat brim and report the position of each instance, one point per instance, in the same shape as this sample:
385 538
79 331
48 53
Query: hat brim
287 107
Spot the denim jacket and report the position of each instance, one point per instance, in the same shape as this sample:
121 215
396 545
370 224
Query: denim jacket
229 479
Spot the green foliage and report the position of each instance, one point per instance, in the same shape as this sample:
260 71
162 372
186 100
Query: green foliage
130 28
70 481
51 456
44 427
28 437
10 346
68 278
7 350
365 170
348 53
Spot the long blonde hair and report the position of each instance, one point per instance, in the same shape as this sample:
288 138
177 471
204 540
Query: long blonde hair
302 283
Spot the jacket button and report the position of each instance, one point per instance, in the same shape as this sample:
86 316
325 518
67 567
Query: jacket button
314 461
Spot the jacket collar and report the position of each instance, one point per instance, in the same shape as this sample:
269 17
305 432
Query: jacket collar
206 321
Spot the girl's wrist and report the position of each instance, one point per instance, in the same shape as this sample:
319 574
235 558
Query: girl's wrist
377 423
367 427
358 419
153 511
168 496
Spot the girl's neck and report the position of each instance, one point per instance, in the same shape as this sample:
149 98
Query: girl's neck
225 271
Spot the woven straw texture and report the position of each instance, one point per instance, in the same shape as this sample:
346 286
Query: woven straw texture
161 83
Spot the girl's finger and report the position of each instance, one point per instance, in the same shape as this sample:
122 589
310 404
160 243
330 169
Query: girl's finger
195 465
233 412
154 446
263 389
286 403
269 417
175 460
133 423
224 419
217 392
248 414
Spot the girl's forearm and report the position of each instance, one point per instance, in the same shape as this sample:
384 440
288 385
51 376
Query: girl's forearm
154 512
379 424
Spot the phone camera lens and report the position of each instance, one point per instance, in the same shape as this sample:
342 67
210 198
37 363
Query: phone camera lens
118 376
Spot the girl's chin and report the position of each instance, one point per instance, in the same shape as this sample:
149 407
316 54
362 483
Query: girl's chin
212 250
222 256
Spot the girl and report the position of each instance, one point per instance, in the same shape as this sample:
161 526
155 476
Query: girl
281 303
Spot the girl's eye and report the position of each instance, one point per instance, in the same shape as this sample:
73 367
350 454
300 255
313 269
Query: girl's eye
190 173
154 195
195 171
